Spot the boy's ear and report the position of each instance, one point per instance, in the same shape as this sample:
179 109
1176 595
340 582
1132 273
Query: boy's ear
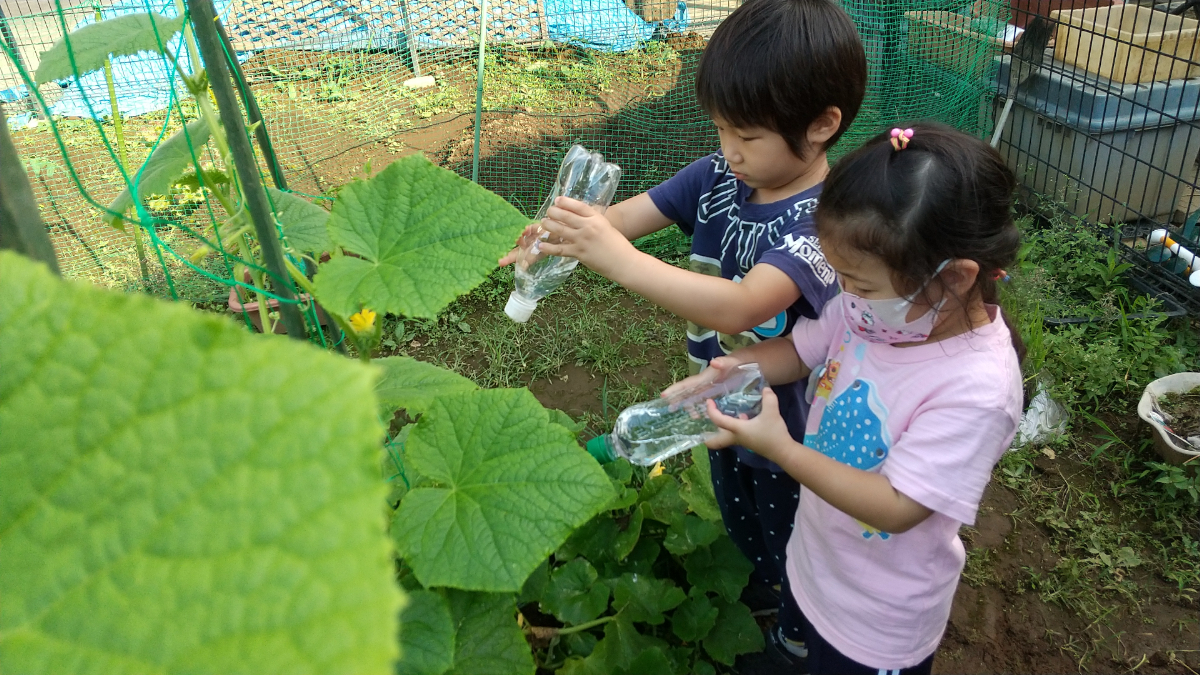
825 126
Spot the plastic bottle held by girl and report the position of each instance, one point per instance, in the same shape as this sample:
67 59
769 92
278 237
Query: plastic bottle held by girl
584 176
647 433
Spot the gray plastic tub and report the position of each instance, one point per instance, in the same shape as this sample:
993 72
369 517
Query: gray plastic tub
1111 152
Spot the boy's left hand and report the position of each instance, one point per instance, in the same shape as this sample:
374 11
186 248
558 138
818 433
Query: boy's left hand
579 231
765 434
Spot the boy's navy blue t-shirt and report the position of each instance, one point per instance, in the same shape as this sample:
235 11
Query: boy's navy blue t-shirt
731 235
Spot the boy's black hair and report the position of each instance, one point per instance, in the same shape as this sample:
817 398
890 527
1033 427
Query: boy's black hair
947 195
778 64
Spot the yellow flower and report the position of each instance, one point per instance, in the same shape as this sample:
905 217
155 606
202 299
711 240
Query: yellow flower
657 470
363 321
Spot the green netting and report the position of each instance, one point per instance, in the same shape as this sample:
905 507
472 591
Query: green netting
334 82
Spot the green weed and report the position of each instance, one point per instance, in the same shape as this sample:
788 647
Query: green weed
1114 517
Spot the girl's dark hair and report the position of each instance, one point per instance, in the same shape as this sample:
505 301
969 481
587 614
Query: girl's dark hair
778 64
947 195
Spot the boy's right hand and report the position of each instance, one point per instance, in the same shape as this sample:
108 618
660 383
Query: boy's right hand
511 257
717 370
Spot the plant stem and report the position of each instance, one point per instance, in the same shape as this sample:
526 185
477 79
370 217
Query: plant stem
256 278
122 155
254 196
300 279
253 112
483 29
586 626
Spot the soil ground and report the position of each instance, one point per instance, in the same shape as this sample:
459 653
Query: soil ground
1184 411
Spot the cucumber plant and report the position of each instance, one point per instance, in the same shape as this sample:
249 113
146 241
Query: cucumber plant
179 496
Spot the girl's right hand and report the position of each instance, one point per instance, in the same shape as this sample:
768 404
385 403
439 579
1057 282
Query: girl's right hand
717 370
511 257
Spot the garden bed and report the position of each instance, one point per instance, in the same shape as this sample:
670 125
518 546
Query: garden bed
1075 563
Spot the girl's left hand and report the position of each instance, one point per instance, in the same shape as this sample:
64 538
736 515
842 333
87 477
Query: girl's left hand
579 231
766 434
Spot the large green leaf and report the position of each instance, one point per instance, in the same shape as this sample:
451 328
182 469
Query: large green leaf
697 487
643 598
462 633
602 540
567 422
168 161
622 644
628 538
412 384
639 561
426 635
693 619
487 639
180 496
303 222
620 651
505 487
580 644
735 633
573 595
535 586
424 236
660 495
689 532
92 44
719 568
650 662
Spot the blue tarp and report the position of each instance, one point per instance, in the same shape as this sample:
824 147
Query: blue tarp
605 25
144 82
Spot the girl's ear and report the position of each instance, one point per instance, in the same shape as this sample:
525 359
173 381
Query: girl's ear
959 276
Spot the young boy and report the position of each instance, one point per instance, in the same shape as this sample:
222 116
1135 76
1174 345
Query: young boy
782 80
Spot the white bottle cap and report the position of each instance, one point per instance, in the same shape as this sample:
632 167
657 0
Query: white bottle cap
519 308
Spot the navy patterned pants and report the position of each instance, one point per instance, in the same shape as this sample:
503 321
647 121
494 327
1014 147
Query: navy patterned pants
759 510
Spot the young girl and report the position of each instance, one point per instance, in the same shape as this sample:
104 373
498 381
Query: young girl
916 389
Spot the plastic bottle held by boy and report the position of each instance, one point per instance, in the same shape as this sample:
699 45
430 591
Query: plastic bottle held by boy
584 176
647 433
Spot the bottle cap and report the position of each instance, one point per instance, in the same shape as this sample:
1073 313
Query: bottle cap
601 449
519 308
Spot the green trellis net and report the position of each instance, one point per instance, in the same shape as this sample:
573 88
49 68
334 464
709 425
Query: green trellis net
347 87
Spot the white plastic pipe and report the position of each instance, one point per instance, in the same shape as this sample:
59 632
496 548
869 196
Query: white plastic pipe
1163 237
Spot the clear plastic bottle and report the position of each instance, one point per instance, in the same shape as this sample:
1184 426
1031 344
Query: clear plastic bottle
647 433
584 176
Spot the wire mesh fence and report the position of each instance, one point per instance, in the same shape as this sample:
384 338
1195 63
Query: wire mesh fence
1104 128
344 88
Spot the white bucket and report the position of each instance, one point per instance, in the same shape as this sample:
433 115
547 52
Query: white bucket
1172 450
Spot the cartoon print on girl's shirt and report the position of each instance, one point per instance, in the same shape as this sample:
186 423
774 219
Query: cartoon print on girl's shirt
853 428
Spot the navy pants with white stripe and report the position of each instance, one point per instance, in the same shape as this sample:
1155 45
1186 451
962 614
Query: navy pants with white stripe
759 509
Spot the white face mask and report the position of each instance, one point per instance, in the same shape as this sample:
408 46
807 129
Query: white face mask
885 321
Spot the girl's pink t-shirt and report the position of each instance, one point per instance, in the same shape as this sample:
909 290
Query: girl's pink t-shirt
934 419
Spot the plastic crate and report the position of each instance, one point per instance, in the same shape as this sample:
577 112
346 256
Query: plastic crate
1128 43
949 40
1110 152
1157 268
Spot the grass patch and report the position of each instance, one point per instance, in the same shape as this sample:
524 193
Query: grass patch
1117 529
